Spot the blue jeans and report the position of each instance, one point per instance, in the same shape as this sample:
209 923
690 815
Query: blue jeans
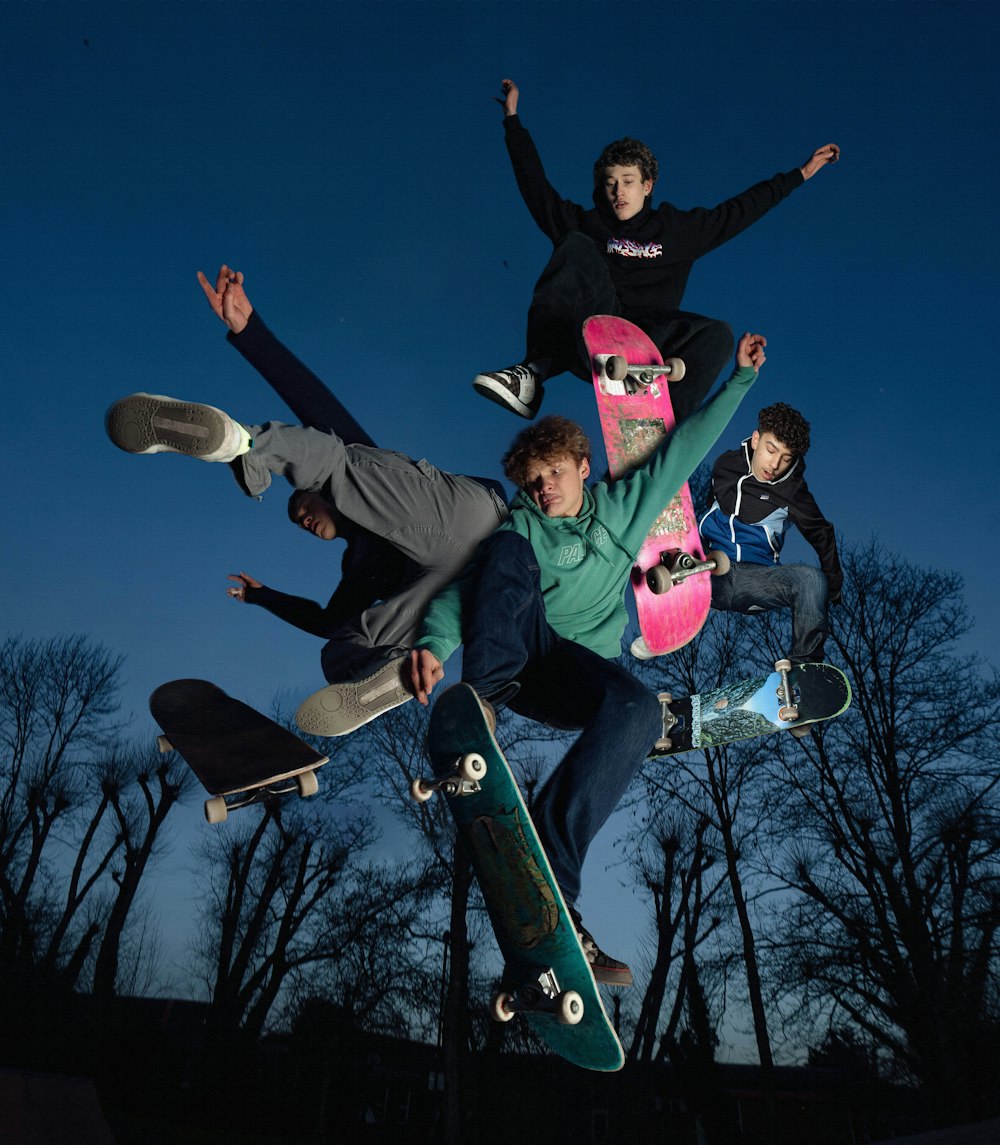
759 588
513 656
576 283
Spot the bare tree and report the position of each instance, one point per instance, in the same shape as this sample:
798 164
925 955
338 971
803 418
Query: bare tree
894 823
56 700
722 785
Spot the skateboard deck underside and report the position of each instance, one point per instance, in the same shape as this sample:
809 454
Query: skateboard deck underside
532 926
749 708
230 746
633 426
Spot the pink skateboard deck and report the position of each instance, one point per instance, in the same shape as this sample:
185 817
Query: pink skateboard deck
636 416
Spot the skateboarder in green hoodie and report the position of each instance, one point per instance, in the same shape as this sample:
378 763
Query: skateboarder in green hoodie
541 614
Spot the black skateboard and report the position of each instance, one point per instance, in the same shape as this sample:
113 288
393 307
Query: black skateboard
240 755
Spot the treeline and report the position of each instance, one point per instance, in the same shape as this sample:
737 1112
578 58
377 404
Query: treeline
837 897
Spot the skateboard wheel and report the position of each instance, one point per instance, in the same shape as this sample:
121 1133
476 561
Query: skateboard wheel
616 367
677 368
216 810
783 666
419 792
569 1008
472 766
721 562
500 1010
163 744
308 783
659 580
788 714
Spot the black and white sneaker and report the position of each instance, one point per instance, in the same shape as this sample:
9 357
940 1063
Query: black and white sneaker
152 423
518 388
339 709
606 969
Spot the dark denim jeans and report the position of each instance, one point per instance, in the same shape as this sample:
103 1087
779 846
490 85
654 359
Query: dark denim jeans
759 588
512 656
576 283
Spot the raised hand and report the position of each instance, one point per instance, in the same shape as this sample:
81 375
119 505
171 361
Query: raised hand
227 298
243 582
828 153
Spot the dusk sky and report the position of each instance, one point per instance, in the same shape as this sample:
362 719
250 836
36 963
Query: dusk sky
349 158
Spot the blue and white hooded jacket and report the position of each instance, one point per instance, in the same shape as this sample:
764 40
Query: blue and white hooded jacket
748 518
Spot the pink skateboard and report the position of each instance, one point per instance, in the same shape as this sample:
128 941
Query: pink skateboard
670 579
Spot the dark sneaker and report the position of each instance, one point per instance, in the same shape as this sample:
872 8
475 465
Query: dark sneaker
341 708
518 388
606 969
152 423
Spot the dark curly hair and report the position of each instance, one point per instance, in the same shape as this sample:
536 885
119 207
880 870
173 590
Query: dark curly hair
551 438
787 425
626 153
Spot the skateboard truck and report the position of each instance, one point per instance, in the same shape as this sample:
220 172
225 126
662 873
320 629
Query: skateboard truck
540 996
789 710
218 807
626 378
664 743
462 780
676 565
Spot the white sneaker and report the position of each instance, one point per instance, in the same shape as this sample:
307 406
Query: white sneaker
518 388
152 423
339 709
641 650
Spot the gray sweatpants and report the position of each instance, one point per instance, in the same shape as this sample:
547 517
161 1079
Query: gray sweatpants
435 519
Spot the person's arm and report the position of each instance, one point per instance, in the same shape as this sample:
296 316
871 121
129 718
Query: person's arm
369 573
818 531
707 228
683 450
554 216
299 388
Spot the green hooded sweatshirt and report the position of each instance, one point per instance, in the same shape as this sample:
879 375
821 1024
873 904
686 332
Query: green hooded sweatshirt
586 561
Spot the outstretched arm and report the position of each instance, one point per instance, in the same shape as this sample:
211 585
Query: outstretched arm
509 101
227 298
828 153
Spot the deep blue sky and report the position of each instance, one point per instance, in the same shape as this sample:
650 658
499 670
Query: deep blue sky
349 158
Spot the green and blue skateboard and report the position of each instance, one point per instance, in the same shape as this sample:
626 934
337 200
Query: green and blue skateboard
789 699
547 975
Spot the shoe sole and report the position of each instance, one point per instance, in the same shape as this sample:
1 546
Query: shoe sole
339 709
149 423
497 392
612 978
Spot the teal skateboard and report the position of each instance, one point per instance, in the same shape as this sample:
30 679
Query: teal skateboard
789 699
547 975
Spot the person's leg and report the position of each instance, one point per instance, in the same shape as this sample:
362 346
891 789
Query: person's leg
433 517
704 344
802 588
574 285
512 656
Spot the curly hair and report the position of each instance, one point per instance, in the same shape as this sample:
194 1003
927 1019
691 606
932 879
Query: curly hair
787 425
547 440
626 153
